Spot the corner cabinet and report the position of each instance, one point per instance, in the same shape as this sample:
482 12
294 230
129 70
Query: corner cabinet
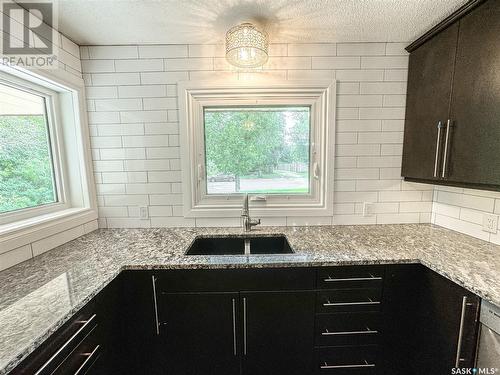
452 125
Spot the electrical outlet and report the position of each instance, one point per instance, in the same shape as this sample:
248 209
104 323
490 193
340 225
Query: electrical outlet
143 212
490 223
367 209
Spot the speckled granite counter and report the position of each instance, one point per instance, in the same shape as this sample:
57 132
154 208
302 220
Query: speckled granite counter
39 295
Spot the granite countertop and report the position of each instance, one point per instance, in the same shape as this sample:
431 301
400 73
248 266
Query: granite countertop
39 295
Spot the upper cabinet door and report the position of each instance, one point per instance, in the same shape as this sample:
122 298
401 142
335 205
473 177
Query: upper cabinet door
474 142
430 78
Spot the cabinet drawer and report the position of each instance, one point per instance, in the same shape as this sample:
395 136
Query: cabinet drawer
346 300
350 277
53 352
347 360
82 358
347 329
235 280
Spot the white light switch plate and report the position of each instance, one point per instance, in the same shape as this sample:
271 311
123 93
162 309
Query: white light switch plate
490 223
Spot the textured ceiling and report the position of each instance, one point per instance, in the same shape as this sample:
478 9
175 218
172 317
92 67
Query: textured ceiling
93 22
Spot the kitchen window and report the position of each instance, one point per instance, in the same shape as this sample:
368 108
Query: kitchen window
274 143
31 175
27 163
46 179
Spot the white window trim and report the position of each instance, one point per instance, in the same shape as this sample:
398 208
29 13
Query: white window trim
72 160
319 95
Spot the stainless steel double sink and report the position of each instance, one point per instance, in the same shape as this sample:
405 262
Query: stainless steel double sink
250 245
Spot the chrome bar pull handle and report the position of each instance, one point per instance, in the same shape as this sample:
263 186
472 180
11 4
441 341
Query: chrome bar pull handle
328 303
368 331
446 146
85 323
326 366
461 331
234 327
438 143
157 322
244 326
89 358
371 278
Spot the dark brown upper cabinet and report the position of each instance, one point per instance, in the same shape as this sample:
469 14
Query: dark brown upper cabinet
452 126
428 100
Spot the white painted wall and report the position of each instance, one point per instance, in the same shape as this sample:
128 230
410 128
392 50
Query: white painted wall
133 115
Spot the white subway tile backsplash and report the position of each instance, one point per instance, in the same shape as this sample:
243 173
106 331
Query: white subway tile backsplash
105 92
396 49
118 104
43 245
395 88
359 101
12 257
399 218
163 51
113 52
134 114
360 49
98 66
206 50
360 75
115 79
384 62
358 150
194 63
143 65
381 113
143 91
336 62
312 49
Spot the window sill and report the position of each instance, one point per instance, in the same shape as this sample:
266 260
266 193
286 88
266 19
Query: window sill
20 233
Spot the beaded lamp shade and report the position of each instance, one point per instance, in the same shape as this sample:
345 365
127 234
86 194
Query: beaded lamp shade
246 46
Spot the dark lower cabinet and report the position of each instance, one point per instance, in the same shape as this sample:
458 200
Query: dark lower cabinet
278 332
390 320
446 326
431 323
198 334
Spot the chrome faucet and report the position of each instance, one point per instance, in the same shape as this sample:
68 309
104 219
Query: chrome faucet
248 222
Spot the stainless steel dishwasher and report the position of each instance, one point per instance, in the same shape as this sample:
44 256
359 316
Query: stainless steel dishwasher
488 356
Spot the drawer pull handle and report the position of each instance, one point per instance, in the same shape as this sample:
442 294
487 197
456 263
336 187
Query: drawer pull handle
370 302
367 332
85 323
326 366
87 360
330 279
155 305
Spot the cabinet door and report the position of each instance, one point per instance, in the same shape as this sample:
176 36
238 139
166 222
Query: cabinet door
277 332
198 334
474 141
446 326
428 98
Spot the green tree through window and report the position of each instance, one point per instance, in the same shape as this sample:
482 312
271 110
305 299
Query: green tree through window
256 149
26 173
